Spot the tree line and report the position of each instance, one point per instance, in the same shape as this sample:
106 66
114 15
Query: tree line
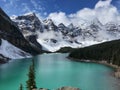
108 51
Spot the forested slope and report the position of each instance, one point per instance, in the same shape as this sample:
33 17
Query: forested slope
109 51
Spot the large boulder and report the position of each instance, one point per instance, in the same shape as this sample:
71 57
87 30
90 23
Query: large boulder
68 88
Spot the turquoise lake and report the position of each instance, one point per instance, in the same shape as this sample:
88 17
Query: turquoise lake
54 71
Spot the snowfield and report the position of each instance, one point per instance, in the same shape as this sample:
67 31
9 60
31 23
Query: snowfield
12 52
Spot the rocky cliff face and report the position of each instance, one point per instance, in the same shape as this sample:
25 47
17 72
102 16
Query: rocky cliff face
11 38
3 59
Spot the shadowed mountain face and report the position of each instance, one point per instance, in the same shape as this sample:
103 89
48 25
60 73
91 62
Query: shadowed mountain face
11 33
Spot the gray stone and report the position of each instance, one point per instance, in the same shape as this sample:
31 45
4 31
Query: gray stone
68 88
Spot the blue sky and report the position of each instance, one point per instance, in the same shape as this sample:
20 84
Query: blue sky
45 7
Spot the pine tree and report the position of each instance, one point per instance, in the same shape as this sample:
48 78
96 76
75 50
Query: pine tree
31 84
21 87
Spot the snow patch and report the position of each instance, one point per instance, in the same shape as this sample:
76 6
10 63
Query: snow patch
10 51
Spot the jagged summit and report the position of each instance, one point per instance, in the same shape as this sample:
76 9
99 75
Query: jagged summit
28 23
30 14
48 21
49 25
71 26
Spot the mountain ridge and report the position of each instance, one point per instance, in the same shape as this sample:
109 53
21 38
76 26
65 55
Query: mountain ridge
52 37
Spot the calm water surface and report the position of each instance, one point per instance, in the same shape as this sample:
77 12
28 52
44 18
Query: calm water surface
55 70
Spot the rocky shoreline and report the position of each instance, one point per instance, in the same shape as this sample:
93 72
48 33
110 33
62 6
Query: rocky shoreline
117 73
3 59
68 88
62 88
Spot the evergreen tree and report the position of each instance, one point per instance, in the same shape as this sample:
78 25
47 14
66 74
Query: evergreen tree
31 84
108 51
21 87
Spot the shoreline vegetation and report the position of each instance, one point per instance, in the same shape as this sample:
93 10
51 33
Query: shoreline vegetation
116 68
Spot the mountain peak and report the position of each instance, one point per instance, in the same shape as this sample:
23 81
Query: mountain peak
96 21
30 14
61 25
71 26
48 21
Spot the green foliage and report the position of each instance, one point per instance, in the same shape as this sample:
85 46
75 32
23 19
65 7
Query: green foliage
109 51
65 50
31 84
21 87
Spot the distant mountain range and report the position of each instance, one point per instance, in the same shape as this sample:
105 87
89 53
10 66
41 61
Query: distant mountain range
52 37
27 35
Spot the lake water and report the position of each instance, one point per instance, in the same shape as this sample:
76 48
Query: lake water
54 71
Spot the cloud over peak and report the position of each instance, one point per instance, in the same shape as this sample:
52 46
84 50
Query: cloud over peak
104 11
103 3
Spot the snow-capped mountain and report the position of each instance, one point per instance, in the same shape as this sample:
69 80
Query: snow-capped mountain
113 29
53 37
13 45
28 23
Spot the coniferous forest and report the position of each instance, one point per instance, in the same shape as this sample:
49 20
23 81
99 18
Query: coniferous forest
108 51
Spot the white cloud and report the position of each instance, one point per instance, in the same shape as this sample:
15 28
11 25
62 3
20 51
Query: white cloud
36 8
104 11
26 8
60 17
12 6
40 16
45 35
103 3
37 5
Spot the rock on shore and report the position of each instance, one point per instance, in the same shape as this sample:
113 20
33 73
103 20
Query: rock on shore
62 88
117 73
68 88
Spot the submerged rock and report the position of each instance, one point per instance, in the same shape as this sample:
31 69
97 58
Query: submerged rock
43 89
68 88
62 88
